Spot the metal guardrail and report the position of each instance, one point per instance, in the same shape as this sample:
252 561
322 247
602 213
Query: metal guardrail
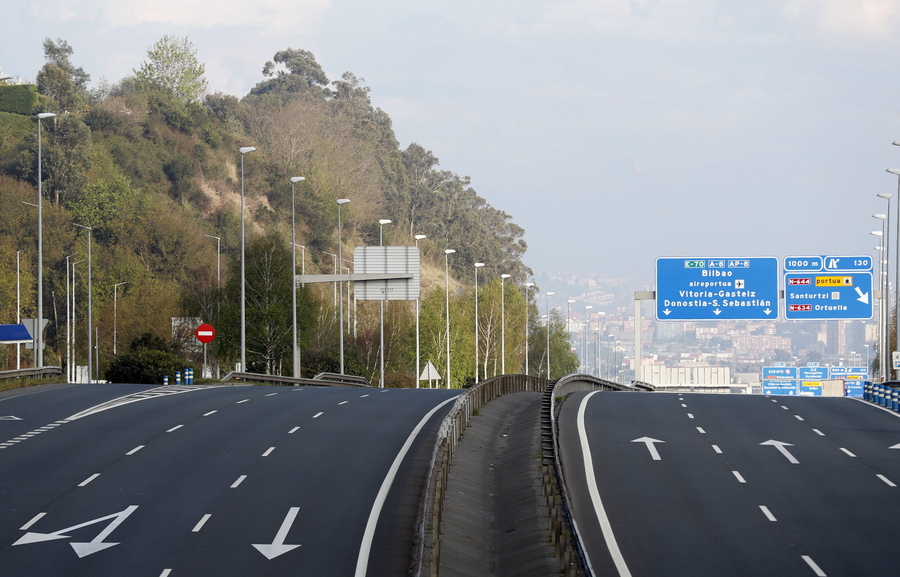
427 552
345 381
25 373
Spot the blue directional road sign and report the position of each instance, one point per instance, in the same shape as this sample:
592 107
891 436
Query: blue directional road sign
716 289
827 287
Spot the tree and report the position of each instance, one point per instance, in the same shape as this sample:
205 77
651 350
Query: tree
59 79
293 71
172 64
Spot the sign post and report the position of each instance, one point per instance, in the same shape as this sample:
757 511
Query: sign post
205 333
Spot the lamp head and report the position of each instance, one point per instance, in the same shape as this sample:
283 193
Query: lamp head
341 201
246 149
550 293
504 275
420 236
877 233
479 264
449 250
529 284
879 215
884 195
587 307
894 171
44 115
384 221
297 179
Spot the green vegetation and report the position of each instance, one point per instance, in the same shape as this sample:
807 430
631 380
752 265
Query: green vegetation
151 163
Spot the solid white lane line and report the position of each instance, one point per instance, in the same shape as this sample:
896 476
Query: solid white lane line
701 430
818 432
606 527
848 452
717 449
767 513
135 450
317 415
201 523
362 562
244 401
88 480
268 451
175 428
294 430
214 411
690 416
798 417
886 480
34 520
238 482
812 565
343 402
739 477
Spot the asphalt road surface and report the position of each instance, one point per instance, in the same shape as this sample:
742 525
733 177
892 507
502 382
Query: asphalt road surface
693 484
135 480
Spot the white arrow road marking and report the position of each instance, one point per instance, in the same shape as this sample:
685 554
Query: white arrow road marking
897 446
654 453
277 547
82 549
781 446
863 297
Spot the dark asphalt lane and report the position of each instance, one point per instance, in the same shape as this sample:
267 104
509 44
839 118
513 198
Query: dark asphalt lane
815 499
189 484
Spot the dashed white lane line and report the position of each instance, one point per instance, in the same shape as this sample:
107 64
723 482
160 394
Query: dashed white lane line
201 523
767 513
717 449
812 565
175 428
798 417
88 480
213 412
319 414
700 429
244 401
271 394
818 432
848 452
343 402
364 396
135 450
268 451
886 480
739 477
238 482
690 416
294 430
34 520
165 573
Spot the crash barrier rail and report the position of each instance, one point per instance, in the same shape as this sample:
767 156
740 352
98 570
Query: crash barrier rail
886 394
428 547
38 373
320 380
566 537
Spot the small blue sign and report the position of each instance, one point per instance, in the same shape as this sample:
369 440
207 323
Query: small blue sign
779 387
813 373
810 389
855 389
775 373
716 289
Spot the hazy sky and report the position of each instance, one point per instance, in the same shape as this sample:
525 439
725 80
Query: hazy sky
613 131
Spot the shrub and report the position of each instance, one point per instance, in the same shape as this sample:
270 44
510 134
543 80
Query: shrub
19 98
145 366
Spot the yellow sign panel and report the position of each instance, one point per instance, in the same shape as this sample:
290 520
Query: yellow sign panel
834 281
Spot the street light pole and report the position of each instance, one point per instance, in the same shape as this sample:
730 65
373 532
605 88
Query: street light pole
90 305
381 224
341 202
419 237
882 307
503 278
218 259
116 314
548 295
243 150
447 253
528 286
478 265
584 345
39 323
296 350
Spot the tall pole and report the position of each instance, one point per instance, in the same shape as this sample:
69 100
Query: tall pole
528 286
19 300
341 201
243 150
39 323
584 345
218 259
419 237
116 315
90 306
503 278
381 224
478 265
72 330
296 350
548 295
447 253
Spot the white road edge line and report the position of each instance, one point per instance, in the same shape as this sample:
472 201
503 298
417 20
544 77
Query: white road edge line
89 479
605 526
201 523
886 480
767 513
812 565
362 562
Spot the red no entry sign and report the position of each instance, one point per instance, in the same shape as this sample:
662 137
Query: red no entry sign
205 333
